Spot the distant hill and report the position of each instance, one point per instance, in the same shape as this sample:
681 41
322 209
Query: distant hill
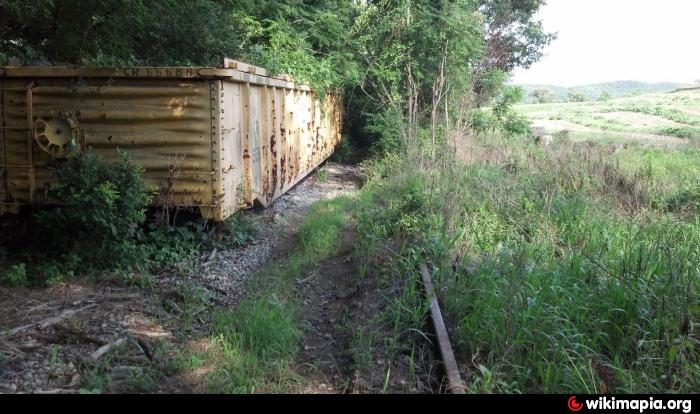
593 91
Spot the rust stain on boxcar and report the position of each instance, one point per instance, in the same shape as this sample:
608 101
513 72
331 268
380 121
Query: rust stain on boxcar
193 130
283 159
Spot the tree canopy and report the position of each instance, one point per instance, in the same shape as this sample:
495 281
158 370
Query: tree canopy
396 59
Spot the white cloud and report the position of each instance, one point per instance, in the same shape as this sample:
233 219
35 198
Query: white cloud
607 40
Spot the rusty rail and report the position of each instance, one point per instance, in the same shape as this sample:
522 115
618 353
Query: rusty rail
454 380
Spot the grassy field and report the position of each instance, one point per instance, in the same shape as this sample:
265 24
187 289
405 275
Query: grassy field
660 117
565 269
573 267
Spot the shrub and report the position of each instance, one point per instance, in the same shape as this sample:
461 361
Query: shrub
15 276
482 121
576 96
388 127
502 118
98 208
604 96
515 124
540 96
345 151
680 132
165 247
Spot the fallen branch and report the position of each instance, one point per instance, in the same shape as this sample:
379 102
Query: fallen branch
30 345
77 334
211 257
454 381
106 348
45 323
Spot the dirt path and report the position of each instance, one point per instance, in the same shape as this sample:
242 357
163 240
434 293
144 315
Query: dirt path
227 272
345 346
334 301
51 339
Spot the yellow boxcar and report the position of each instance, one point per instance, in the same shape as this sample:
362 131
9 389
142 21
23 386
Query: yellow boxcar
212 138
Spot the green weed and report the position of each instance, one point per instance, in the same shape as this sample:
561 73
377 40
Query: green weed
15 276
322 175
566 269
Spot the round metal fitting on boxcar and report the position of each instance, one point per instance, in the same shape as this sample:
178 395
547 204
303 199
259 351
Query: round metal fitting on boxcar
57 133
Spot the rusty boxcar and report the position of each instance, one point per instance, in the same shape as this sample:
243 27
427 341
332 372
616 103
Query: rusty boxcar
219 139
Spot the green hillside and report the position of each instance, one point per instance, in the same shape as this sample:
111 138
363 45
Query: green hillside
655 117
594 91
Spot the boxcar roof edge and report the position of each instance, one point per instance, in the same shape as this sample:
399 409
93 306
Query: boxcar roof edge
233 75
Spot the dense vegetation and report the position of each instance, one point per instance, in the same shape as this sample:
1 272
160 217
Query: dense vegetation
95 219
566 268
389 56
401 63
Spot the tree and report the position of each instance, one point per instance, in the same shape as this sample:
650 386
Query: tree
304 39
542 96
401 62
413 52
604 96
576 96
513 39
117 32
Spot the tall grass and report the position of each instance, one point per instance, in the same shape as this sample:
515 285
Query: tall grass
571 268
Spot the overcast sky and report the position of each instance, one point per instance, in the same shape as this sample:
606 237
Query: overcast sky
607 40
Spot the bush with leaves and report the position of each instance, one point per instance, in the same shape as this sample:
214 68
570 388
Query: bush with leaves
541 96
386 126
576 96
502 118
99 209
14 276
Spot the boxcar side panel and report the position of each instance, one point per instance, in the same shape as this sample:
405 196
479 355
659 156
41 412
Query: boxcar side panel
164 125
247 169
254 143
231 154
265 128
281 140
219 140
295 115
